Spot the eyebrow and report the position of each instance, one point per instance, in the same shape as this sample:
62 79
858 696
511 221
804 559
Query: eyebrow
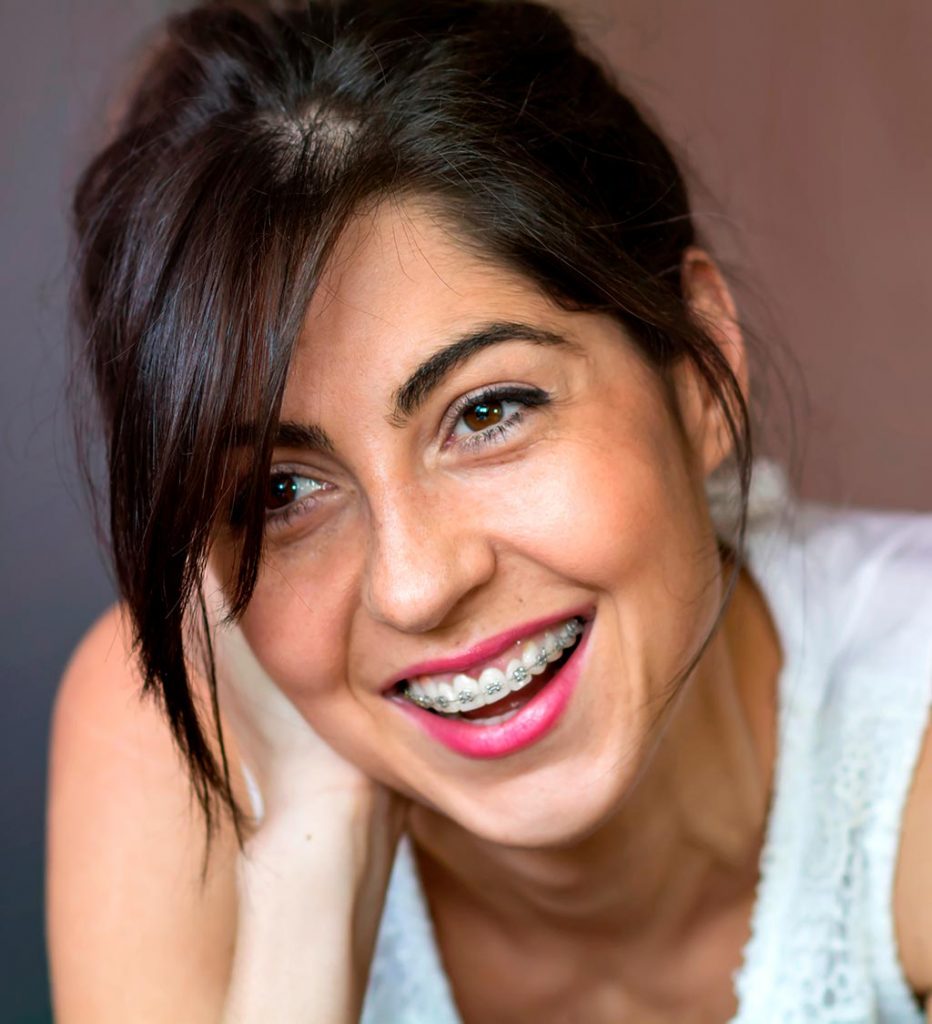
302 435
288 434
428 376
434 370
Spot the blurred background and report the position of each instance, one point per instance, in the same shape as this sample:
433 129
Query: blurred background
806 124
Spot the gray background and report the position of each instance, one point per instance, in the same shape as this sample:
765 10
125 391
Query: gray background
56 63
808 121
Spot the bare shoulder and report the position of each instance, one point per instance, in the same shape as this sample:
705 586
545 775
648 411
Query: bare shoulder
913 888
134 932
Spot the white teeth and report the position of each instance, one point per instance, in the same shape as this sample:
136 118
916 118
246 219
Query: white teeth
529 658
552 647
567 635
465 693
446 696
517 674
492 684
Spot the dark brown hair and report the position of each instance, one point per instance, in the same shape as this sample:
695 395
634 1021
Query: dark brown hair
255 131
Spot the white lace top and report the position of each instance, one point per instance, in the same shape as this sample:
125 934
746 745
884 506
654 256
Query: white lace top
851 595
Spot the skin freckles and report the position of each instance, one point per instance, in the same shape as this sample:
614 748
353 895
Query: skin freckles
420 546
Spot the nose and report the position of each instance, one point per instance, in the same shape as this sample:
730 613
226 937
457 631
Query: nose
425 556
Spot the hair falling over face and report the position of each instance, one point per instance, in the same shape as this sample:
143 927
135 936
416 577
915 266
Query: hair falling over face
253 136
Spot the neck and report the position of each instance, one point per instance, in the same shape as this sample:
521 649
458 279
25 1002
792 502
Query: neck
685 842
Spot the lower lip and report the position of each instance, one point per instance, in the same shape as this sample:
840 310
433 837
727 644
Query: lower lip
532 722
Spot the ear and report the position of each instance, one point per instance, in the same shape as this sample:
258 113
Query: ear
713 307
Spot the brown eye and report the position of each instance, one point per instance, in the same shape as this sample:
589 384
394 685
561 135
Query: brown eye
287 488
482 415
283 489
488 417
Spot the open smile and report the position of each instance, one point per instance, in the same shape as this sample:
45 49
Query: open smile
505 703
491 686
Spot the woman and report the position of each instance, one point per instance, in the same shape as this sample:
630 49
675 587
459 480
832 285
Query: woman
416 383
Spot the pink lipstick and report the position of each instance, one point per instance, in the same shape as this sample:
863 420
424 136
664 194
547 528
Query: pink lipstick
530 723
483 651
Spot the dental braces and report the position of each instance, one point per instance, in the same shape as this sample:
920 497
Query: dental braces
564 638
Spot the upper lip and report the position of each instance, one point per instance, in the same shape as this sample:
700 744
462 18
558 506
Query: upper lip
483 651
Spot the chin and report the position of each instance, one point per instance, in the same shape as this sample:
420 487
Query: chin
558 805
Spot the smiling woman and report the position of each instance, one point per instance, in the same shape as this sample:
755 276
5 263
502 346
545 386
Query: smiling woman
497 666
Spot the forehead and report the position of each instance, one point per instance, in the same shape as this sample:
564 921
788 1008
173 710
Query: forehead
398 285
399 248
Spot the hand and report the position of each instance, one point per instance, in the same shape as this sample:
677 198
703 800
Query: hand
289 763
326 840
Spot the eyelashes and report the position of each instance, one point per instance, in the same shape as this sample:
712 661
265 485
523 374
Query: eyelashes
290 494
487 416
474 422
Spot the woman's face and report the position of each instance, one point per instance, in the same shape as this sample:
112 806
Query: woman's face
531 475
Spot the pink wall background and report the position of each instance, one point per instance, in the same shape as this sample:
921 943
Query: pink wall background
809 121
810 124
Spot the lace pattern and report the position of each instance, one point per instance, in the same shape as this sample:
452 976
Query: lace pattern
823 947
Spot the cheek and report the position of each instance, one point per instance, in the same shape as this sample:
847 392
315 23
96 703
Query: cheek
613 510
296 627
603 499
